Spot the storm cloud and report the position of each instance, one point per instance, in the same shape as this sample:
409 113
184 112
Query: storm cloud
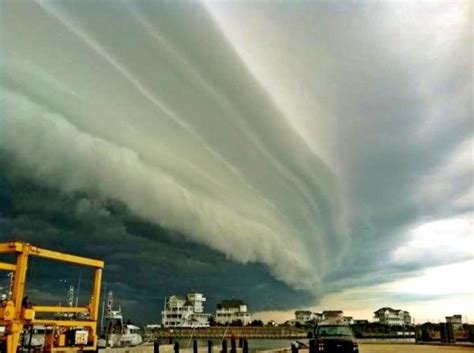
300 150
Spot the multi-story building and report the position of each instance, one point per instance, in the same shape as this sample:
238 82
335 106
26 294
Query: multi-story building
389 316
456 321
333 317
407 320
318 317
229 311
304 316
326 317
347 320
185 312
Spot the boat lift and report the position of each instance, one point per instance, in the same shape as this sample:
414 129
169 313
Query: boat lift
68 334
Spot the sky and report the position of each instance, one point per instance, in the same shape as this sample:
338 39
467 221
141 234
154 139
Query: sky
295 155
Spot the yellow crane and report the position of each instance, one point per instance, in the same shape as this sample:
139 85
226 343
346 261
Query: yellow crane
66 334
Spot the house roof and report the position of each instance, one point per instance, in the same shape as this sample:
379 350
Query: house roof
176 297
385 308
362 321
332 312
304 312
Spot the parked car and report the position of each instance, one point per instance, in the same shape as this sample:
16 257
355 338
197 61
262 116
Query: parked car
335 339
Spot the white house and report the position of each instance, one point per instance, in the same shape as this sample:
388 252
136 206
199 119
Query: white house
389 316
348 320
185 312
303 316
456 321
333 317
229 311
326 317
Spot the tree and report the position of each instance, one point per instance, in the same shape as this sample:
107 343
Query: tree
256 323
237 323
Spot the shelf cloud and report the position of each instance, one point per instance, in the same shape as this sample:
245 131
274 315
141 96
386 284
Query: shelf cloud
305 142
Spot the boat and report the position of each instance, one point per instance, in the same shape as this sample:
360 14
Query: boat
115 332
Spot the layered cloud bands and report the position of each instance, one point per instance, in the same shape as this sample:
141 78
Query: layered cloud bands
150 106
275 151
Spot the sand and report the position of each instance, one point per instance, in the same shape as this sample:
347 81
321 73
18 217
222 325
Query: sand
410 348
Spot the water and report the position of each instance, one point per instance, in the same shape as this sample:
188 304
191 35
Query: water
261 345
254 344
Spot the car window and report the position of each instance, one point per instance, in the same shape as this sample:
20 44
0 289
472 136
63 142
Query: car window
334 331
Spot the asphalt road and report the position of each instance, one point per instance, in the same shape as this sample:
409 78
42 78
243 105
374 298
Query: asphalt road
411 348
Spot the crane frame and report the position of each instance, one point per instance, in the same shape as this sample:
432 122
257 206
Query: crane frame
14 316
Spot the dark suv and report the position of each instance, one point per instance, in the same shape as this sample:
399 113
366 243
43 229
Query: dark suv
335 338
